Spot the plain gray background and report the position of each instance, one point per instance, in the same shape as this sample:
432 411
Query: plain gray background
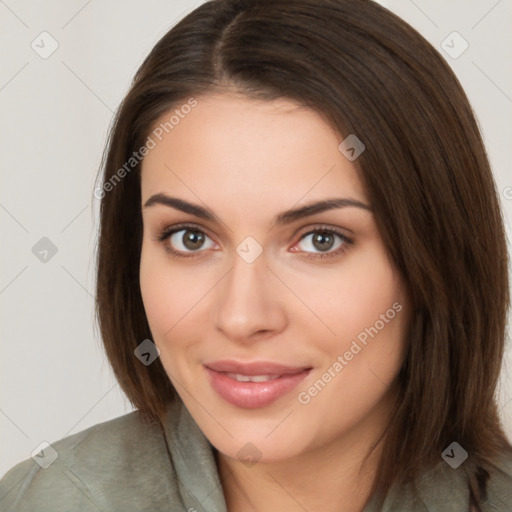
55 111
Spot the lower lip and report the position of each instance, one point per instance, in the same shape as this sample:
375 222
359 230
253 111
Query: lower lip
253 395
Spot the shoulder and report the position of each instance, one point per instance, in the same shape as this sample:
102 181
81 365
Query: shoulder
447 488
107 467
499 486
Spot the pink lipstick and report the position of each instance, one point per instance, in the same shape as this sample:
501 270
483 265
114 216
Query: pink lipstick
253 385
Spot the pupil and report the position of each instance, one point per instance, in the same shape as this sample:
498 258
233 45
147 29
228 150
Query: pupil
193 240
323 241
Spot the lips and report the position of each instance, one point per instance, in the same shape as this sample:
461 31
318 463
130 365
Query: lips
253 385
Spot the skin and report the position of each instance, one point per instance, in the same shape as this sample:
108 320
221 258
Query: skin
248 161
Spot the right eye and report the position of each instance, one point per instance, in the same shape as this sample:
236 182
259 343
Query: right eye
185 240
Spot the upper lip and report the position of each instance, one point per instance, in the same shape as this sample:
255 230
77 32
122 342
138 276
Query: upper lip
254 368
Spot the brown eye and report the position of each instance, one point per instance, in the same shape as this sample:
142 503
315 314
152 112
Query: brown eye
323 241
193 240
187 240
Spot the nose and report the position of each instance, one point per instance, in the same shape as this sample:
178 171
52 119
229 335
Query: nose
248 305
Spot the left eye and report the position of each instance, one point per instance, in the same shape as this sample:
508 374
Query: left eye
190 240
322 241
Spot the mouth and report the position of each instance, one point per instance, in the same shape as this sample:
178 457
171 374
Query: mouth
253 385
252 378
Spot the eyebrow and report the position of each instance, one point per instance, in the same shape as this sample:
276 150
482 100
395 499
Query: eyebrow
286 217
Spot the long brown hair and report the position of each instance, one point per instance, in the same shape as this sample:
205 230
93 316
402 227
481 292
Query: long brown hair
426 173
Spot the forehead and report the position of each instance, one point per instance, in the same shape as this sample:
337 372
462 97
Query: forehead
266 154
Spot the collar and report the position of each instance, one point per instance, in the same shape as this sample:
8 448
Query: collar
193 459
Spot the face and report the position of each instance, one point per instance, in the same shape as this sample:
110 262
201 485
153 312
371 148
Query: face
279 317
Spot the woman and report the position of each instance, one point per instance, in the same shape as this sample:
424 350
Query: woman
302 277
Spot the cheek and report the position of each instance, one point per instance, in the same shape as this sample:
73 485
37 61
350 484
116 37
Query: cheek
163 305
165 292
370 304
175 301
155 290
358 364
353 297
369 319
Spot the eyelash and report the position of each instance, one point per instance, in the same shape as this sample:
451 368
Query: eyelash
166 233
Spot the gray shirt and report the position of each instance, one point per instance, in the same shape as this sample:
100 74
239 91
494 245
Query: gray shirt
127 465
